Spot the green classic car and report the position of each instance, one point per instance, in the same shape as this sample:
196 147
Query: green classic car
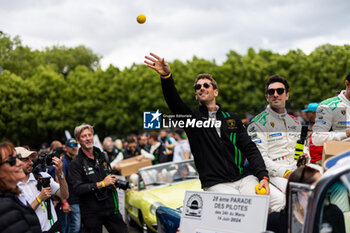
159 185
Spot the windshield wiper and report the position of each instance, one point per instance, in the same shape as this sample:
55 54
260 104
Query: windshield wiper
157 183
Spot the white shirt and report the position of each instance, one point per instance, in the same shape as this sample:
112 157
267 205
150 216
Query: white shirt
212 117
30 193
179 151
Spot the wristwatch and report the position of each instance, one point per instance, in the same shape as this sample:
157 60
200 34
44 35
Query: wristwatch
62 176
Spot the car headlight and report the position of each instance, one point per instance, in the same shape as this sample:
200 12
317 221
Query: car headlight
154 207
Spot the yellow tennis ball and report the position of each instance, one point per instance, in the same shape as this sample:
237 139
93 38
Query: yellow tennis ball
141 18
261 191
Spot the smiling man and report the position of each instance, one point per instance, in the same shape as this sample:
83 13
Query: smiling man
219 151
275 132
89 174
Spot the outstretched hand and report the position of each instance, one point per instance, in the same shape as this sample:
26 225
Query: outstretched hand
158 64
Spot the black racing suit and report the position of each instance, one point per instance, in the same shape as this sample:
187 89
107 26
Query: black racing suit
218 159
129 154
97 206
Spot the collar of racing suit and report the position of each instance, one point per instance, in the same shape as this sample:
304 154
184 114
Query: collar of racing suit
343 98
275 114
203 109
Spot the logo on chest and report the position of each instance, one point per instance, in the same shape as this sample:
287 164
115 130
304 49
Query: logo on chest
231 123
89 171
273 135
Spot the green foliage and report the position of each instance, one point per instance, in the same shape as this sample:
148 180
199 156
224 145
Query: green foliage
43 93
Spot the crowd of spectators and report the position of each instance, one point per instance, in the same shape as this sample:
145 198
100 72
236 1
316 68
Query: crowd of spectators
41 190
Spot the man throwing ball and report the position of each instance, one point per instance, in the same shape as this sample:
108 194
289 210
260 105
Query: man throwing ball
220 148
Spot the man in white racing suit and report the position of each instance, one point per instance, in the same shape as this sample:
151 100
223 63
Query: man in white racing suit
275 133
333 118
333 124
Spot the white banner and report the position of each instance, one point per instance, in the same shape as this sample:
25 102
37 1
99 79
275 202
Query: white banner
207 212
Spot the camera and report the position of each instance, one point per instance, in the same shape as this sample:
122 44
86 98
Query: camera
43 161
301 160
122 184
43 182
102 194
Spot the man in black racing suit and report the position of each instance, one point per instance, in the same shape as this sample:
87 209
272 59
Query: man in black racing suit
218 140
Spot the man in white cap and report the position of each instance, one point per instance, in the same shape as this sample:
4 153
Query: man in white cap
35 197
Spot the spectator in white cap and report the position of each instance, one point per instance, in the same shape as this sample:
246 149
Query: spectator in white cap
36 195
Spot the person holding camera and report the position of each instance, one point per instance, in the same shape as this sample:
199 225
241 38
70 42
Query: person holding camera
68 210
38 186
91 178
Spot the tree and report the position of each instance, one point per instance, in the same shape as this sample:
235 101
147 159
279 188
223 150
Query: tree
43 93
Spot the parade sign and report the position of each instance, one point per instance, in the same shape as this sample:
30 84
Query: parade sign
207 212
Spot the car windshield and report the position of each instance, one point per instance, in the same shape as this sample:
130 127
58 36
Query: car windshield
168 172
298 197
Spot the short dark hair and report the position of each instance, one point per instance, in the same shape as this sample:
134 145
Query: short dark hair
277 79
154 136
209 77
130 139
140 135
304 174
348 76
180 132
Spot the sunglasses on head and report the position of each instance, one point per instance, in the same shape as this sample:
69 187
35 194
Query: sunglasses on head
271 91
11 161
199 86
73 145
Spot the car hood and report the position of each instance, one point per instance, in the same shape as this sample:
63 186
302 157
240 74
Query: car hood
173 195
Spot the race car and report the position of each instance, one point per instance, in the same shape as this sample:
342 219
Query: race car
158 185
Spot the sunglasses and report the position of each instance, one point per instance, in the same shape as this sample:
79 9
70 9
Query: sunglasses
73 145
109 146
271 91
11 161
199 86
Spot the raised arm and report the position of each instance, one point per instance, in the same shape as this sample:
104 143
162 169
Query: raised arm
171 96
158 64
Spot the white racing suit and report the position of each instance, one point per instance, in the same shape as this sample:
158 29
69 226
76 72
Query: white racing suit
332 114
332 120
276 135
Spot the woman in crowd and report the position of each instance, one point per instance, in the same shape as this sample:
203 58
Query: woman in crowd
278 221
16 215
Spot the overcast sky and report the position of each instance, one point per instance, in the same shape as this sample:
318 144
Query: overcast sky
177 29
